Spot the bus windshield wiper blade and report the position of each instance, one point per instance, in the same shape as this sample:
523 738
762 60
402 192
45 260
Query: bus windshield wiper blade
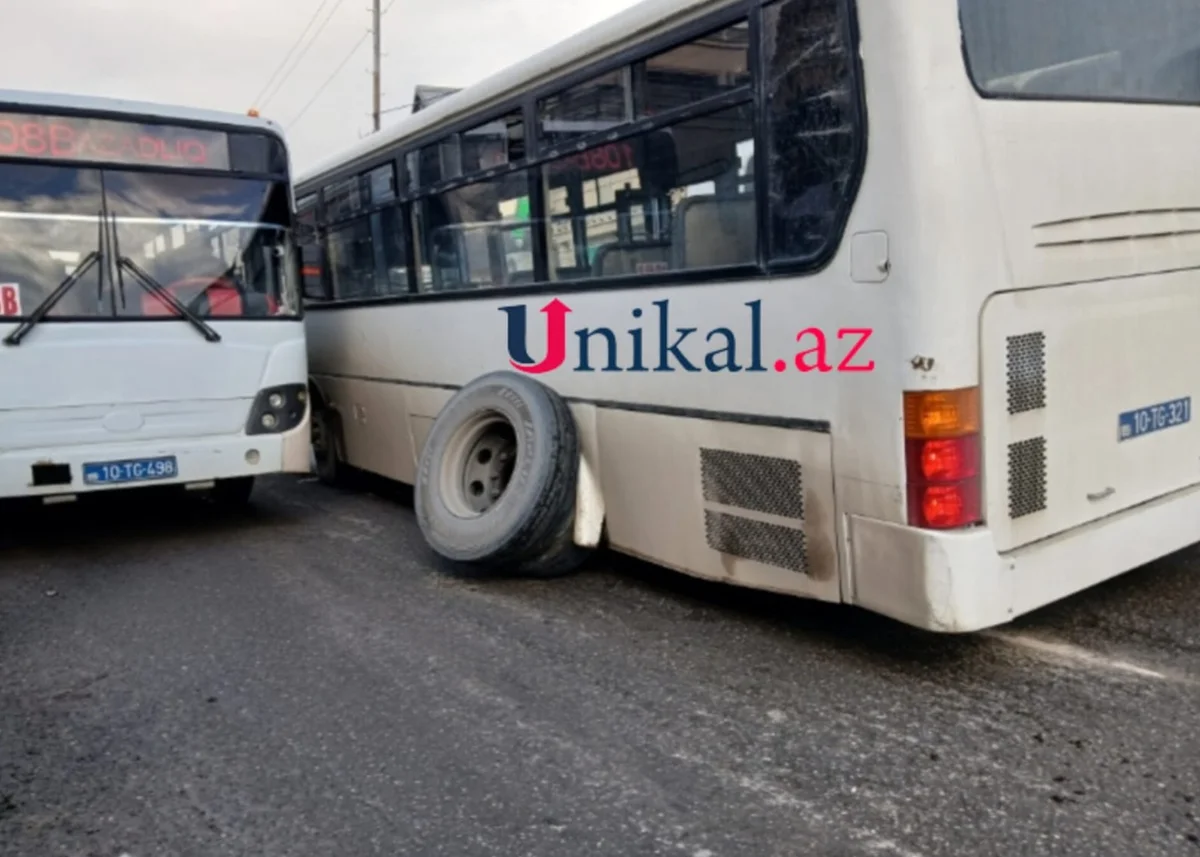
155 288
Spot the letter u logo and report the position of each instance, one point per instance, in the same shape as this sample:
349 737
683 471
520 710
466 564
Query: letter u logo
556 337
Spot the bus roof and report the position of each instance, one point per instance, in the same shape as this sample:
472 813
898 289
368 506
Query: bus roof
15 98
592 43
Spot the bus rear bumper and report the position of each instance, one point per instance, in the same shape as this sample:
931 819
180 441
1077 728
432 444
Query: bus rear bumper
956 582
199 460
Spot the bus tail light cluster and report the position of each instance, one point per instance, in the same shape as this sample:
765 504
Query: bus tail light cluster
943 458
278 409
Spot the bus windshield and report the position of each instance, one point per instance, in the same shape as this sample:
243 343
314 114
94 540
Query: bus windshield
1111 50
219 245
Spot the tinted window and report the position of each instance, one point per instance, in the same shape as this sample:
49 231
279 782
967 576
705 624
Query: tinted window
257 153
478 235
49 223
700 69
812 123
672 199
311 256
412 171
1107 49
352 260
219 245
203 198
388 243
439 162
381 184
493 144
344 199
587 108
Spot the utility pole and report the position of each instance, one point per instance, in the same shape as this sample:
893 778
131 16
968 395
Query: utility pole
375 74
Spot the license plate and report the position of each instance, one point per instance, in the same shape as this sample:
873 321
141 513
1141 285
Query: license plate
130 470
1154 418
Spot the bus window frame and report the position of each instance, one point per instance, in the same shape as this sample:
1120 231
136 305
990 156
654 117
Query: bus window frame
538 155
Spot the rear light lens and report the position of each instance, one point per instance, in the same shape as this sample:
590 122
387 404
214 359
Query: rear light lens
943 458
944 506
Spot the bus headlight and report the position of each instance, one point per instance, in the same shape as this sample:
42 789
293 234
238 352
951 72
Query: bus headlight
278 409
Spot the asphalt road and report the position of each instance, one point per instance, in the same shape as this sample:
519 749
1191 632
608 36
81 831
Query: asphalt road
302 680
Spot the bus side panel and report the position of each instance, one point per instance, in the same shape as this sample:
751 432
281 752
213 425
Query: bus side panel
424 404
745 504
374 417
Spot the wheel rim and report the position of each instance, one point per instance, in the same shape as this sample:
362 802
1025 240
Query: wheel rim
478 465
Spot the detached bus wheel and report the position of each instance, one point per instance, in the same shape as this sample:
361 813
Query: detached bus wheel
496 483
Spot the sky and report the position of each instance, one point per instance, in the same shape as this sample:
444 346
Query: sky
220 54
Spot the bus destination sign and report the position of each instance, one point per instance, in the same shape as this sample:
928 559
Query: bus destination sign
78 138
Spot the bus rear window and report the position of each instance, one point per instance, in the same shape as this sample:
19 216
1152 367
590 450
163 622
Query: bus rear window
1110 50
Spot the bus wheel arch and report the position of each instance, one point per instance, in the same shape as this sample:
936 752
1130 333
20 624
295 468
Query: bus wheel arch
498 478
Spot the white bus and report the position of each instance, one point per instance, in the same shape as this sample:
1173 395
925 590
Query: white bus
151 329
888 303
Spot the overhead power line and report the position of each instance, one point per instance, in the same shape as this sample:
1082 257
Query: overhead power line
336 71
292 50
312 41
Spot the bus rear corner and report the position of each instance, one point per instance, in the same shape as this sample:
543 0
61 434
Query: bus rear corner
1076 459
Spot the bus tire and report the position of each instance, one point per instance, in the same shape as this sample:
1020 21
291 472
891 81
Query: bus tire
496 483
327 444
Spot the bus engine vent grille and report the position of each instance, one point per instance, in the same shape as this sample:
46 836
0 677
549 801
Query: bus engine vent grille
1026 372
759 483
758 541
1026 477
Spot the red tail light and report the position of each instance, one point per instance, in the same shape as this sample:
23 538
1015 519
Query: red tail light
943 458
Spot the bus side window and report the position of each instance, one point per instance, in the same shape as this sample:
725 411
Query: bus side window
312 264
388 239
477 235
812 121
312 260
710 65
352 259
670 199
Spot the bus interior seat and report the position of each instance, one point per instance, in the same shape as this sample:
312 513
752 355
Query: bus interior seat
715 230
617 260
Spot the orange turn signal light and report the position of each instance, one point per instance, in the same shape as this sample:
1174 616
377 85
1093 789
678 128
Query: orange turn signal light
941 413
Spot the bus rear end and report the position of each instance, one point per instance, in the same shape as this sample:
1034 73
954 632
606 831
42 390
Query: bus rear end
150 329
1073 454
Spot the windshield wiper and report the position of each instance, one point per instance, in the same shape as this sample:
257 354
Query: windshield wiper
156 288
52 299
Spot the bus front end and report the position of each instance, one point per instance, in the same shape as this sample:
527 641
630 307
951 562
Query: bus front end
150 325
